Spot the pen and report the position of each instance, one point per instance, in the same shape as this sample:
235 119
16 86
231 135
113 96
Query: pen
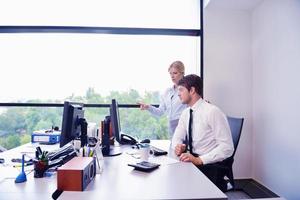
25 164
91 153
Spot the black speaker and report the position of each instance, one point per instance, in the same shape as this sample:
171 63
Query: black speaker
105 137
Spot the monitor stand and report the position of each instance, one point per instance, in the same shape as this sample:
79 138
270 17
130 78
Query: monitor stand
113 151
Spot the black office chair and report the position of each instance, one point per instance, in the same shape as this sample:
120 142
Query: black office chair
217 172
236 125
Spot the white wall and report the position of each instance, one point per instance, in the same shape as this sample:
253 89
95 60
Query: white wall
228 73
252 69
276 96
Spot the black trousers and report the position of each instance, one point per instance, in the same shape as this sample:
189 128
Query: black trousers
215 172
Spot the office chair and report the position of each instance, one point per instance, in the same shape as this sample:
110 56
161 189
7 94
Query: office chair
216 172
224 168
236 125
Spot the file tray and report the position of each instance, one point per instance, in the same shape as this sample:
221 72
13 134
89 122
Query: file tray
145 166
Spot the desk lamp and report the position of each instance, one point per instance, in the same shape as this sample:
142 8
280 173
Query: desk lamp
22 176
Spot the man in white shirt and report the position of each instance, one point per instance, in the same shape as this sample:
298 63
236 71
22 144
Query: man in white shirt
203 130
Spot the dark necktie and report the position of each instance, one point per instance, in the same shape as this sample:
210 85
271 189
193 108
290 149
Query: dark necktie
190 132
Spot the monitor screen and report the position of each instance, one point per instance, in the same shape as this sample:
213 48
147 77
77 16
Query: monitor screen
120 137
73 123
115 120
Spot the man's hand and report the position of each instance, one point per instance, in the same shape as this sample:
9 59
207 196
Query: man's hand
187 157
179 149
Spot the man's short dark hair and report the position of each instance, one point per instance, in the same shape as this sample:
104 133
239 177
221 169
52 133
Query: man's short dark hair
192 80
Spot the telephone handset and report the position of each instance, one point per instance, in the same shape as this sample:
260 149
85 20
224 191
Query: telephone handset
127 139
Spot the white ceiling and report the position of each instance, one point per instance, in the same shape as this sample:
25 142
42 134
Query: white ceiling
234 4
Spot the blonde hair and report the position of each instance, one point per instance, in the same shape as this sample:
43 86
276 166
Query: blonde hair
178 65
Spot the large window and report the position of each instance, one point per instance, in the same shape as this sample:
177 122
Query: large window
55 66
46 66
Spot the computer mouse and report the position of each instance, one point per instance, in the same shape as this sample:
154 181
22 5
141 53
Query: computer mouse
145 141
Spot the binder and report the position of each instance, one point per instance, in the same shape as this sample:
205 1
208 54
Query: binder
47 137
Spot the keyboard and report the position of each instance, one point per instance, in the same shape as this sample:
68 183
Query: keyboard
145 166
157 152
63 151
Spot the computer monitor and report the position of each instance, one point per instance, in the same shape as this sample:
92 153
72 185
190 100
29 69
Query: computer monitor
121 137
74 124
115 120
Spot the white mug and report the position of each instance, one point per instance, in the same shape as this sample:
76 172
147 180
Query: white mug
144 151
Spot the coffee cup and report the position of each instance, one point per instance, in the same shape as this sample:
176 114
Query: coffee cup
145 151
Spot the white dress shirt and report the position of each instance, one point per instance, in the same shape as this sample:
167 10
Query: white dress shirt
212 139
170 105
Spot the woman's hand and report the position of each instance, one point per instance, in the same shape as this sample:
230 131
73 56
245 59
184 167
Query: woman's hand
143 106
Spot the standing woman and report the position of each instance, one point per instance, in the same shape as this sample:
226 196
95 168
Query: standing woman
170 103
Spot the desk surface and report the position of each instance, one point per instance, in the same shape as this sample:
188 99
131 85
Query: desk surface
177 180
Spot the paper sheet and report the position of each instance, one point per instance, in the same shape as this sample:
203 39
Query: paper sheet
163 160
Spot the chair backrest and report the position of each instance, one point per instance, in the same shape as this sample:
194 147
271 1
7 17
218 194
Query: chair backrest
236 125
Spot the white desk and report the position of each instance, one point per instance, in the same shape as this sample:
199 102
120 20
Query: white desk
119 181
34 188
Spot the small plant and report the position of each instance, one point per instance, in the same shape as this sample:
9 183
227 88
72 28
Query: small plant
41 165
44 157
